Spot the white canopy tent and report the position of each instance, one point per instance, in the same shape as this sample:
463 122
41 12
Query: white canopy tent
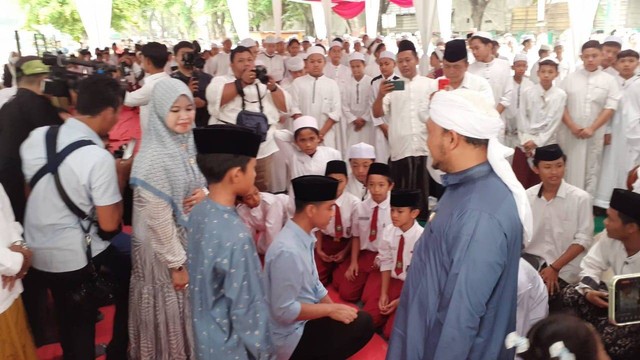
96 18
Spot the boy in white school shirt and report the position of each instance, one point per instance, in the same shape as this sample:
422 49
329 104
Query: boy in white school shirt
371 217
334 241
382 292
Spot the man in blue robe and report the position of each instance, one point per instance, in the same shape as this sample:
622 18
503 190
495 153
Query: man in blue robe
459 299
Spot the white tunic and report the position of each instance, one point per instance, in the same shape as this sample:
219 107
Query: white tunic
347 203
615 157
407 112
559 223
320 98
632 124
362 222
274 64
220 65
588 94
476 83
381 141
498 74
541 115
533 300
372 69
607 253
511 114
265 220
356 103
388 248
303 164
356 188
338 73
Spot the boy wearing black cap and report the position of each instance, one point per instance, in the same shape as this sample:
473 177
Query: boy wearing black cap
334 241
394 257
230 316
617 249
562 224
455 65
306 324
370 218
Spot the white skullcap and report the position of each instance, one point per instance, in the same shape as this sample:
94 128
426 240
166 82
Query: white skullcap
305 122
613 38
380 37
294 63
307 38
270 40
279 40
248 42
361 151
483 34
526 37
387 55
549 58
558 44
545 47
356 56
520 57
315 50
335 43
467 113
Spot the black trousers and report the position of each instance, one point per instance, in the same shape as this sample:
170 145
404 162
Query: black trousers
77 324
328 339
411 173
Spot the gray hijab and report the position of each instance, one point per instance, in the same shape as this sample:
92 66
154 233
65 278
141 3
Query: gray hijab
166 165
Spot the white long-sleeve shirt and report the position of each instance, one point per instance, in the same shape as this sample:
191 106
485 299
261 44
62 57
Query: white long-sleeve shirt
389 246
340 73
512 113
142 97
356 103
559 223
10 261
541 114
632 123
476 83
267 219
218 65
498 74
274 64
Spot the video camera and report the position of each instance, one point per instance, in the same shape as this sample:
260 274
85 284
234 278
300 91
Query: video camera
193 60
61 80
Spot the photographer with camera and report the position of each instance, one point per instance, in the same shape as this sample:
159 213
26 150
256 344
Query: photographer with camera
70 175
249 97
154 58
197 80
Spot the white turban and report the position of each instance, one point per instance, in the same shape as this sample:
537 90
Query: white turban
467 113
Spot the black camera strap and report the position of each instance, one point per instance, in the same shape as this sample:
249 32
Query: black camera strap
240 91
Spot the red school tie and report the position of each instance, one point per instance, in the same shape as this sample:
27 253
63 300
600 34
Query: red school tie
399 265
373 230
338 224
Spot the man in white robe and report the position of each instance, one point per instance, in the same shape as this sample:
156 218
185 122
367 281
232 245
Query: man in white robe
333 68
520 84
496 71
219 65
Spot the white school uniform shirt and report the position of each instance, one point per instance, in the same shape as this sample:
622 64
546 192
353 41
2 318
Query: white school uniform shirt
320 98
142 97
338 73
407 112
381 142
533 299
541 114
274 64
606 253
632 123
10 261
588 93
616 158
559 223
267 219
388 248
362 222
498 73
356 188
476 83
356 103
511 114
347 203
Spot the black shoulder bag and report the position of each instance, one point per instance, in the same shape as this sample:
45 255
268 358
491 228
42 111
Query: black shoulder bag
256 121
96 289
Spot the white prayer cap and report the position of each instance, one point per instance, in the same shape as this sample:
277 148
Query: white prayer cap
545 47
469 114
308 38
361 151
558 44
248 42
271 40
380 37
526 37
294 63
279 40
387 55
315 50
335 43
549 58
356 56
613 38
305 122
520 57
483 34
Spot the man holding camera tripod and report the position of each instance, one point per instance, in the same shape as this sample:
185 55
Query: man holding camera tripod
195 78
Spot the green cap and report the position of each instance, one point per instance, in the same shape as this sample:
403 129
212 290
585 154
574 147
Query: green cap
31 65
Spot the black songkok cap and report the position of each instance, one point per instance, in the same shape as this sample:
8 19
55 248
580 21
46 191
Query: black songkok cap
405 198
406 45
315 188
379 169
336 167
226 139
455 50
548 153
626 202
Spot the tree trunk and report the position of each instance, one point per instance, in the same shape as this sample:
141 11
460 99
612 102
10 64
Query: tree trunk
384 5
477 12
